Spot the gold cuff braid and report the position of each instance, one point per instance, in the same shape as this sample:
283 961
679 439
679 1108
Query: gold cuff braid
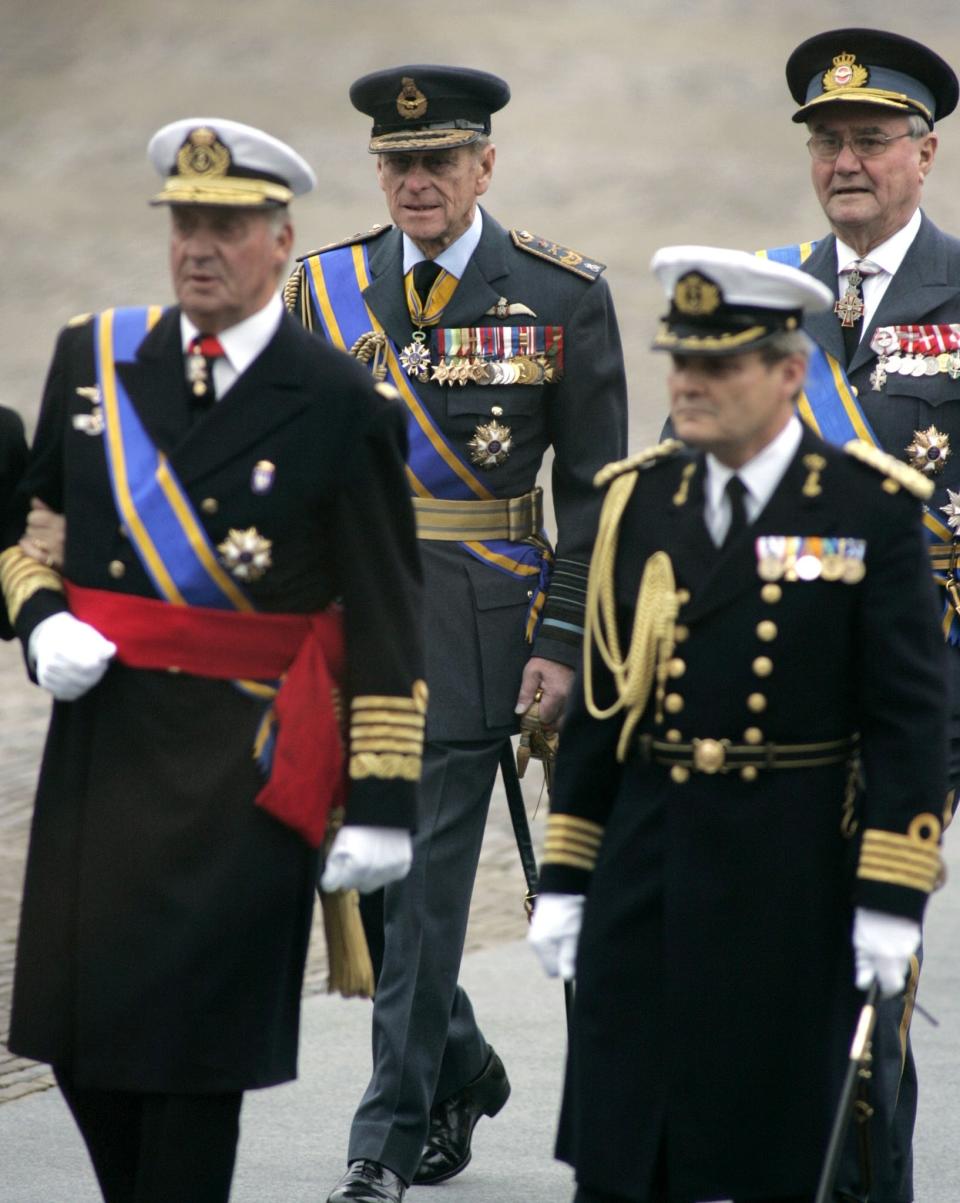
572 841
21 577
911 860
386 735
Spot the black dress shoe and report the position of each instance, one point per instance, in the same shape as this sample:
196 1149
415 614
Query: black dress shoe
368 1182
447 1150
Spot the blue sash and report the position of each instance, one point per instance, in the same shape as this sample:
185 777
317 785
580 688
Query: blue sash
829 406
151 503
337 280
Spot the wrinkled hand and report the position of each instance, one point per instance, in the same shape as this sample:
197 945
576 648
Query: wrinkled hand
70 656
882 947
366 858
45 536
555 679
555 932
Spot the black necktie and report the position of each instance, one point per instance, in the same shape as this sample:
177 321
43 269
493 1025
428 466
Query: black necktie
735 491
424 275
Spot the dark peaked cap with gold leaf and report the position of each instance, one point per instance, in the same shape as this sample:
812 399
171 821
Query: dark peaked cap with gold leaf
726 302
214 161
420 108
872 67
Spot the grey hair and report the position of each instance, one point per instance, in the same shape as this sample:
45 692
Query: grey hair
917 126
785 343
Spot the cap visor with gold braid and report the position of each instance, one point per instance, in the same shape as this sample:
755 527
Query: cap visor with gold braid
869 66
214 161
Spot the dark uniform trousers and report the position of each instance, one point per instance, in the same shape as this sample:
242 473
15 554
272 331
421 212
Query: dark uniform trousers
156 1148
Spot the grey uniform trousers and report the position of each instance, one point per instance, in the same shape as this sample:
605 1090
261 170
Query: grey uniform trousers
426 1042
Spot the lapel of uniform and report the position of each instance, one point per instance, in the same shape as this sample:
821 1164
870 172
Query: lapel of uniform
694 554
475 293
824 328
384 295
156 384
273 389
919 287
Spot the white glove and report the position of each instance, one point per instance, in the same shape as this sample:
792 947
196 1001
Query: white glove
882 947
366 858
69 656
555 931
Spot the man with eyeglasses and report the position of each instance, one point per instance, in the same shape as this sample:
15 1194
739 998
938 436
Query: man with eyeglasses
886 370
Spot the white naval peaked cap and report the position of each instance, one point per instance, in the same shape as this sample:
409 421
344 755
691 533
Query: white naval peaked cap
723 302
215 161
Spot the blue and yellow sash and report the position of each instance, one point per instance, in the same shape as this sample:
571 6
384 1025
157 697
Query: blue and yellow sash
337 281
151 503
829 406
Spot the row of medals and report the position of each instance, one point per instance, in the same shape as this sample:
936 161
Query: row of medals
472 369
915 365
778 560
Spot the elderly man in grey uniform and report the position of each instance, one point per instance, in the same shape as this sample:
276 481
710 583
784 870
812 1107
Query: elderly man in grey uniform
886 367
502 344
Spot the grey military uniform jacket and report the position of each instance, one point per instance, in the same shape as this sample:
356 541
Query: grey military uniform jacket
475 616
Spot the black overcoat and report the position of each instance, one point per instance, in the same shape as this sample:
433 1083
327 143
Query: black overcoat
715 995
165 916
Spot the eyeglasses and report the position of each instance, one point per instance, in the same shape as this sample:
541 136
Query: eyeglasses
865 146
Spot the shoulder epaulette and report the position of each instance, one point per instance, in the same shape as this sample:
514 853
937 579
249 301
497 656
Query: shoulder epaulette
364 236
80 319
562 256
640 459
899 474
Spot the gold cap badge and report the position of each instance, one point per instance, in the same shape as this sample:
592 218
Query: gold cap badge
411 103
203 154
696 295
845 73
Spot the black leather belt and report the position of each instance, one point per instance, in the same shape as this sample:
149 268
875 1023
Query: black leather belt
721 756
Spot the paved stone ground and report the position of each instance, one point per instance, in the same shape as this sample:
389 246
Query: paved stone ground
632 125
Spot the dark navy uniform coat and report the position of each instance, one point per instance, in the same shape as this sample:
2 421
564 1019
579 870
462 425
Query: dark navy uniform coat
165 916
715 996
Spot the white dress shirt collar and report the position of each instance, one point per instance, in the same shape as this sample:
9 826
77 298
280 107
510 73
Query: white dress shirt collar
888 255
760 477
456 256
241 343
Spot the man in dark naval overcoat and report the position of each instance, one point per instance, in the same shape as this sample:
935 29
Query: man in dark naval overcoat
502 344
886 367
746 820
234 650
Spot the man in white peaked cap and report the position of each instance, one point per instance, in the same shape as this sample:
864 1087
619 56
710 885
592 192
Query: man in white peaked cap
745 825
232 678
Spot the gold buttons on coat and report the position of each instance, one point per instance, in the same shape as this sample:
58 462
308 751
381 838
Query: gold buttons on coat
673 703
673 736
676 668
116 568
766 630
762 666
771 594
683 596
753 735
681 634
210 505
757 703
749 772
679 774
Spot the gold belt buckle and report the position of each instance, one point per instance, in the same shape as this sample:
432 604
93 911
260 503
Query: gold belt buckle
709 755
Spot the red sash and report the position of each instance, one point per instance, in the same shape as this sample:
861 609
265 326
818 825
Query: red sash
306 650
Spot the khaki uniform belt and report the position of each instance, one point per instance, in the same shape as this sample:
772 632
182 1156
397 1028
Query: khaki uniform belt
722 756
514 518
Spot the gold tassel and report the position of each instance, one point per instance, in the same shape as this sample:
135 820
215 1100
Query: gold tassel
349 968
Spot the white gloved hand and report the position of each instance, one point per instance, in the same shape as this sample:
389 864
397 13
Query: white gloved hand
555 931
882 947
366 858
69 656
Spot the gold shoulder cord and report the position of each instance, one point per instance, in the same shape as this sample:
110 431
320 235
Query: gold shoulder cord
652 638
